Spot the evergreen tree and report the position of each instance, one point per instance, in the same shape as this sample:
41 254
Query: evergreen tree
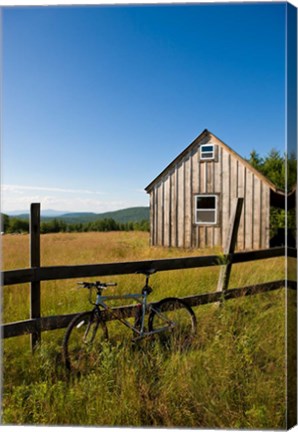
4 222
255 160
274 168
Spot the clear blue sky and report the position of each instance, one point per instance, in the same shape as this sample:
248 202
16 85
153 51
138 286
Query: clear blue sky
98 100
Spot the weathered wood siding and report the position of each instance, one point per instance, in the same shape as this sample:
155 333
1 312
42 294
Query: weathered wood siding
172 201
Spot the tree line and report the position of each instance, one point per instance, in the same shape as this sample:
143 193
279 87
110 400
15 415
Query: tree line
11 225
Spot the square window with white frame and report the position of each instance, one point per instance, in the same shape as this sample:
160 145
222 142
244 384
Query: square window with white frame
207 152
206 209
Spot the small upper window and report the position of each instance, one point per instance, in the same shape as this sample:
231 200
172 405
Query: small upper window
207 151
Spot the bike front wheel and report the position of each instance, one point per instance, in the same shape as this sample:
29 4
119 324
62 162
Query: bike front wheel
174 323
83 342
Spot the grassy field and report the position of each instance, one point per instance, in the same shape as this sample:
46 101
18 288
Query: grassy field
232 377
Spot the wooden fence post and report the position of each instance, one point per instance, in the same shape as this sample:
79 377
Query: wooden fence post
225 271
35 263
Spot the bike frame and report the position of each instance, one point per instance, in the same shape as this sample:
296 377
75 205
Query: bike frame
142 298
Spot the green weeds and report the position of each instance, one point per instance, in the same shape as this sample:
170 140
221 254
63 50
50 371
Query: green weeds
232 377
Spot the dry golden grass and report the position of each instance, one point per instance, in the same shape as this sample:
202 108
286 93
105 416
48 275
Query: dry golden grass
92 248
88 248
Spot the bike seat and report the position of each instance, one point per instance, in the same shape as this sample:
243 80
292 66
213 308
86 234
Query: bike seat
146 272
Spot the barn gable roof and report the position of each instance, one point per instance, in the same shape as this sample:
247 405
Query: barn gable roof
197 141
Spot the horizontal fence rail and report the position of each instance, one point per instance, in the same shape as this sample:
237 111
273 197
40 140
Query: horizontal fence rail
62 321
13 277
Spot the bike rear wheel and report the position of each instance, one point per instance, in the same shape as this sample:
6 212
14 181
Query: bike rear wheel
174 323
83 341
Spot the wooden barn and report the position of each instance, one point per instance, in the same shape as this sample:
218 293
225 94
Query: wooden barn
192 198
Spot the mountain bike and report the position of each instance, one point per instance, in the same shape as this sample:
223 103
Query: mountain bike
170 319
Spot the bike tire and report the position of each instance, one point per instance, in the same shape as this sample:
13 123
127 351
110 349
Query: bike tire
83 341
175 310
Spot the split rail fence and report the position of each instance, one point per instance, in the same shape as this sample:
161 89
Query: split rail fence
37 274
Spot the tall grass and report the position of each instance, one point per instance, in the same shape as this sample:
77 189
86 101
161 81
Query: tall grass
232 377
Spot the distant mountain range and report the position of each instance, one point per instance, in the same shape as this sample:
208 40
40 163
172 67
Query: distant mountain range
46 213
132 214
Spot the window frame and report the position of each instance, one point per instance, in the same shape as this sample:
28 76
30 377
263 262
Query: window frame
202 158
215 210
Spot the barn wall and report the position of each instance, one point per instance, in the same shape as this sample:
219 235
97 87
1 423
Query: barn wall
172 202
